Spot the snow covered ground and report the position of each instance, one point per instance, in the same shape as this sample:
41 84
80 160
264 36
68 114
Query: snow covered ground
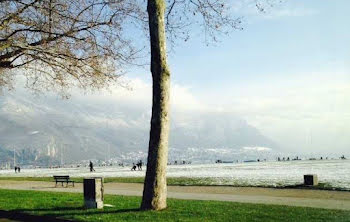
333 172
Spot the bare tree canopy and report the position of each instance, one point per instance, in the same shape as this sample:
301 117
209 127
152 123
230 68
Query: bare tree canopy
66 42
86 43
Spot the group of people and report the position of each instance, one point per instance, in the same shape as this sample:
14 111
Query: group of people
17 169
138 165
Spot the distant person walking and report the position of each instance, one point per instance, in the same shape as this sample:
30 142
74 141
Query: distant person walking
91 165
133 167
16 169
139 165
19 169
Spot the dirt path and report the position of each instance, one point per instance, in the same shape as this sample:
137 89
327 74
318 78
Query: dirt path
291 197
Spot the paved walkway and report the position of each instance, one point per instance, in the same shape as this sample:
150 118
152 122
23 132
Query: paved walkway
292 197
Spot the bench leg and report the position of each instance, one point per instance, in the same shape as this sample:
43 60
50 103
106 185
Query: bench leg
56 184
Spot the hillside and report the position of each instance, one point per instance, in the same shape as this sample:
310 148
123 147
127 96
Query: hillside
82 129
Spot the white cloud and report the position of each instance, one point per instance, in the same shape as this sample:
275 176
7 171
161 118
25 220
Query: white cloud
140 93
183 100
295 12
306 111
271 9
290 110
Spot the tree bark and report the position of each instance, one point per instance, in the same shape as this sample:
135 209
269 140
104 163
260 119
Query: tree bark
155 187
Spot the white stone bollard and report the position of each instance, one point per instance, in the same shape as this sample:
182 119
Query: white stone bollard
93 192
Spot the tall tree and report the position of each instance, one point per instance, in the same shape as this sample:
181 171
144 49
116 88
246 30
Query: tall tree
177 21
155 187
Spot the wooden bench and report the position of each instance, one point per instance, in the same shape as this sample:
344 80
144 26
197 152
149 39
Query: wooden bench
63 179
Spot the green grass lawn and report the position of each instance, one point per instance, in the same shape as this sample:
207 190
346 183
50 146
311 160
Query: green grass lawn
69 206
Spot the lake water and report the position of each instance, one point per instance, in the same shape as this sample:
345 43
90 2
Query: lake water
333 172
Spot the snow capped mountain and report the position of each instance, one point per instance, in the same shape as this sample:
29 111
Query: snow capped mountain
214 130
83 128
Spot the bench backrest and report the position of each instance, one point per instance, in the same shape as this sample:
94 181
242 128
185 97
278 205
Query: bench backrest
61 177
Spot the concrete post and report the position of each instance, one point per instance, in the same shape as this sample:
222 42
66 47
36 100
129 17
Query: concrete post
310 180
93 192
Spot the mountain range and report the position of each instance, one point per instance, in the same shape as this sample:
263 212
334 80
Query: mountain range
83 128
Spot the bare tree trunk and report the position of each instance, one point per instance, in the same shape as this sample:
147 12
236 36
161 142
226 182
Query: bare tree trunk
155 187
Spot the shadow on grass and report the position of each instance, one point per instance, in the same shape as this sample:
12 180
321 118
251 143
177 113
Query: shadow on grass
54 214
19 216
49 209
90 212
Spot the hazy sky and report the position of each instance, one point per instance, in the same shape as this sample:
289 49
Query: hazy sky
287 73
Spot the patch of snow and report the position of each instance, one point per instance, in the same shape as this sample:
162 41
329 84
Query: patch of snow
33 132
256 148
333 172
